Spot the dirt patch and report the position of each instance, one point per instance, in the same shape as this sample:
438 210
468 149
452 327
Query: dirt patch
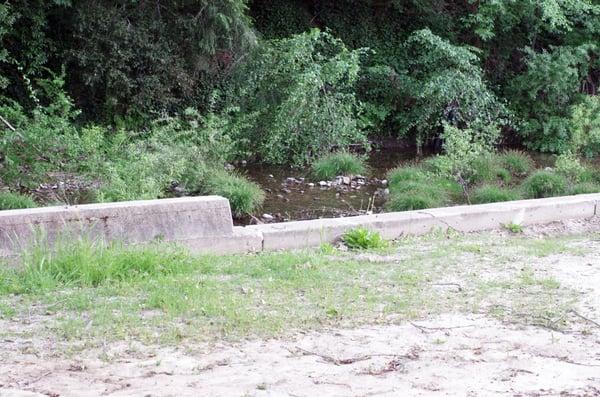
472 353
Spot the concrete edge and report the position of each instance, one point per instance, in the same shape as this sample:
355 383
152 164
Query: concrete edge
312 233
472 218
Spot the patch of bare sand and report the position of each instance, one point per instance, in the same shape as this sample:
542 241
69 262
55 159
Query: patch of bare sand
448 355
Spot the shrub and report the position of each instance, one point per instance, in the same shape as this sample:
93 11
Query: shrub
492 194
517 162
585 124
14 201
568 165
244 196
294 99
544 184
362 238
341 163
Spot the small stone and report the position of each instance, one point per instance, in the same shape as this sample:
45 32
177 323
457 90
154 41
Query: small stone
268 217
286 190
229 167
322 183
244 163
311 185
384 182
290 180
386 192
346 180
271 176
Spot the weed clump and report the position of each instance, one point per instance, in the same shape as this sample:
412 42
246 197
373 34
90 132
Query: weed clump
585 188
492 194
15 201
244 196
362 238
341 163
517 162
544 184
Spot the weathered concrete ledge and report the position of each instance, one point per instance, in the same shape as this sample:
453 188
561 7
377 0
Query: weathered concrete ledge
471 218
204 224
132 222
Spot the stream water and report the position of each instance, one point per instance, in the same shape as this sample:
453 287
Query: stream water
294 194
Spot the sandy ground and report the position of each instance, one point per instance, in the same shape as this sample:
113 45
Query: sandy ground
449 355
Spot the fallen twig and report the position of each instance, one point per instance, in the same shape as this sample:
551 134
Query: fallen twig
425 330
585 318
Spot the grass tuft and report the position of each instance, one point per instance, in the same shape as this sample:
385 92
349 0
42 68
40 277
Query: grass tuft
15 201
517 162
335 164
544 184
492 194
245 197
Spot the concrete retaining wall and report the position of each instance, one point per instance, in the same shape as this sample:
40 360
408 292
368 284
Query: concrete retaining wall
181 219
204 225
461 218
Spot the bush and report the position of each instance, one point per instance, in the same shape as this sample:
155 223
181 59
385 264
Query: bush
341 163
244 196
544 184
294 99
569 166
585 122
492 194
14 201
362 238
517 162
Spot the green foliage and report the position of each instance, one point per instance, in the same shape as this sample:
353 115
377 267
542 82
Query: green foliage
585 188
88 264
492 194
517 162
446 86
45 141
468 155
544 93
544 184
585 127
340 163
15 201
245 197
424 191
362 238
570 167
400 175
295 99
514 228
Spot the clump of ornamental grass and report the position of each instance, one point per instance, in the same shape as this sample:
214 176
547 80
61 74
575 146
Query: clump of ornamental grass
340 163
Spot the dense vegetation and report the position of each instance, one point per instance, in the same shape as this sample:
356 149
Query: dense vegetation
150 99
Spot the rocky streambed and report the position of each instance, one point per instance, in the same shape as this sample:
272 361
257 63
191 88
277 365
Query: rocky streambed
294 194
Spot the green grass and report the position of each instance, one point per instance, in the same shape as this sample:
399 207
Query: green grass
15 201
492 194
245 197
336 164
585 188
519 163
544 184
93 293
